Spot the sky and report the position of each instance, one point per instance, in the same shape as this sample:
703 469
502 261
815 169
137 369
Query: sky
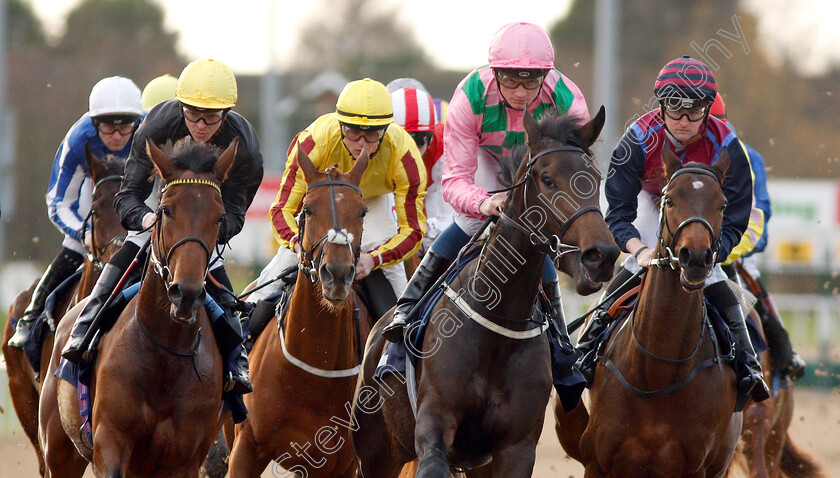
456 34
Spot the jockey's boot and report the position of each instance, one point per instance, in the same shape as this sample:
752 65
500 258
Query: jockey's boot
558 318
752 383
599 322
236 378
432 266
107 282
50 280
786 362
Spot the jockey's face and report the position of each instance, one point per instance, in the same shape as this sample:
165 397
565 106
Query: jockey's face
682 128
114 136
519 92
356 139
203 124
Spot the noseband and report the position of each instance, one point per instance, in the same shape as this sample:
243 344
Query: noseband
95 254
671 259
162 267
555 242
336 235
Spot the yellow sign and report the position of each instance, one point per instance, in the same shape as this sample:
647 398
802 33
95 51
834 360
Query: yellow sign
794 251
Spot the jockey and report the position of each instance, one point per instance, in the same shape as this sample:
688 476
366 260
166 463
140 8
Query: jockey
362 120
685 89
414 110
107 128
786 362
205 94
158 90
484 121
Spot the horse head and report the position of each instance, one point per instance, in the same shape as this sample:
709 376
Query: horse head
102 221
189 218
691 215
559 202
331 225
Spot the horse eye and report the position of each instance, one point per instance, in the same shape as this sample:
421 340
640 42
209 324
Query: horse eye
668 201
548 182
166 212
723 208
307 211
364 211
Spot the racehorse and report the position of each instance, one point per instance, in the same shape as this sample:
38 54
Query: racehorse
304 377
156 385
663 403
108 234
481 394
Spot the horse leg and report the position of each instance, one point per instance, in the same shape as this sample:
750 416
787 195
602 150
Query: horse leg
61 459
570 427
245 461
215 465
110 454
23 393
433 437
754 437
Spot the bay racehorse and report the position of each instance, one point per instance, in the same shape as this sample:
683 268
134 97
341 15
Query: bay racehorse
481 395
156 385
304 372
766 449
663 403
107 235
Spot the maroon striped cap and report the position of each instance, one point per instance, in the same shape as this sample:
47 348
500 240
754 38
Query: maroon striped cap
685 78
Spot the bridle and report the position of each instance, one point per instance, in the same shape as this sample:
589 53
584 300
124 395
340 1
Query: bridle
162 266
337 235
95 254
670 259
554 243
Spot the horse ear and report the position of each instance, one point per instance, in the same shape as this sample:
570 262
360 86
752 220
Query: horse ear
722 164
164 165
533 133
96 169
670 161
225 162
358 169
306 165
589 132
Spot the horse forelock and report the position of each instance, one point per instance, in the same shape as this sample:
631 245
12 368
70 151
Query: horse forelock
705 167
114 164
189 155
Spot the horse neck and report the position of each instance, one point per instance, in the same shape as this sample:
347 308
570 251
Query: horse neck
153 310
319 335
510 266
668 319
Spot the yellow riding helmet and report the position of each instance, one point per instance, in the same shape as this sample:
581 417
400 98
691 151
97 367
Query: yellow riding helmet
365 103
158 90
207 84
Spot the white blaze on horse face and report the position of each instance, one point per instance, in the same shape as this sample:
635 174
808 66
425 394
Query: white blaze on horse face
697 185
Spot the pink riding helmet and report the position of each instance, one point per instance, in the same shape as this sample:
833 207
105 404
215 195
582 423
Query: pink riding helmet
521 45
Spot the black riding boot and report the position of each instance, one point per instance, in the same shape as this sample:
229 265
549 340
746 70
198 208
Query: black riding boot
62 267
623 282
107 282
558 318
753 383
432 266
786 362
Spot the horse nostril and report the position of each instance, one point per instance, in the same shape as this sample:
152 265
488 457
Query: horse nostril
686 256
591 258
175 294
708 257
201 298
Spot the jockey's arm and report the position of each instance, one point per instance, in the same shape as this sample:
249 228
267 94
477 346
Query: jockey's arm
287 203
409 177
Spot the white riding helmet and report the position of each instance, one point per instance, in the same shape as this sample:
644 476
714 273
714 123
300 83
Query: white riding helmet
414 110
116 98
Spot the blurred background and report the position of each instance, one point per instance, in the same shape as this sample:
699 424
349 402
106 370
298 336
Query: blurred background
777 64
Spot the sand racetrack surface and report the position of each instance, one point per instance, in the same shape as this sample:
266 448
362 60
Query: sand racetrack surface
814 429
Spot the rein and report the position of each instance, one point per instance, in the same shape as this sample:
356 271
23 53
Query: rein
336 235
95 254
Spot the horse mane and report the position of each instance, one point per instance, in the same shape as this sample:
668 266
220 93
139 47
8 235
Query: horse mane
190 155
113 164
560 128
